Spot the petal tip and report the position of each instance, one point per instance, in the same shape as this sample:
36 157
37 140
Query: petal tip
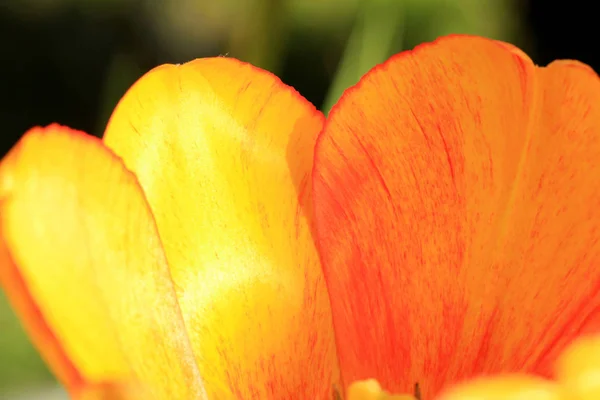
466 39
574 64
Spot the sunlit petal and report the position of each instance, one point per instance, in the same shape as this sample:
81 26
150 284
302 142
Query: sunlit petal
578 369
224 153
509 387
83 265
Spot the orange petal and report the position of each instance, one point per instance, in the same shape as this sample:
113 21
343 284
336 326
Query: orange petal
83 265
112 391
456 204
224 153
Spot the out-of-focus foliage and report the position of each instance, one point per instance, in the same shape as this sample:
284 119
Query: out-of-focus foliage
19 363
319 46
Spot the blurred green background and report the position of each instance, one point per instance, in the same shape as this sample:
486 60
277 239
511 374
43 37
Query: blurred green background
70 61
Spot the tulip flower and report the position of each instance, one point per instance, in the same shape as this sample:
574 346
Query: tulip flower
437 236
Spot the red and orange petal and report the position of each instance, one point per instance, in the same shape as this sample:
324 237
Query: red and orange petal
83 265
456 204
224 152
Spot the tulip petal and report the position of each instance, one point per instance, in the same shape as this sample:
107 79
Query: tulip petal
112 391
578 368
83 265
224 153
456 193
505 387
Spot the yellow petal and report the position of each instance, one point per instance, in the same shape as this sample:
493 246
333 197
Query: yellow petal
224 153
371 390
578 369
83 265
507 387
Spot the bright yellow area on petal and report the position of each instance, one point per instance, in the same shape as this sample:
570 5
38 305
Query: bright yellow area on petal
224 152
371 390
578 369
505 387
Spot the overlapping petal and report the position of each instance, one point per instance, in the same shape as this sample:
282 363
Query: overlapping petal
456 193
224 153
82 263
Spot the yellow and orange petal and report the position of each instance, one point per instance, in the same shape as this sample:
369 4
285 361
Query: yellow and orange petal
456 204
224 154
83 265
114 390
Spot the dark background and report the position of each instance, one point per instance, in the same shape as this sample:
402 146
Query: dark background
69 61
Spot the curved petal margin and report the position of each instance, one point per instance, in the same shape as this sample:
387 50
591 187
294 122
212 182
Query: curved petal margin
224 153
83 265
456 193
